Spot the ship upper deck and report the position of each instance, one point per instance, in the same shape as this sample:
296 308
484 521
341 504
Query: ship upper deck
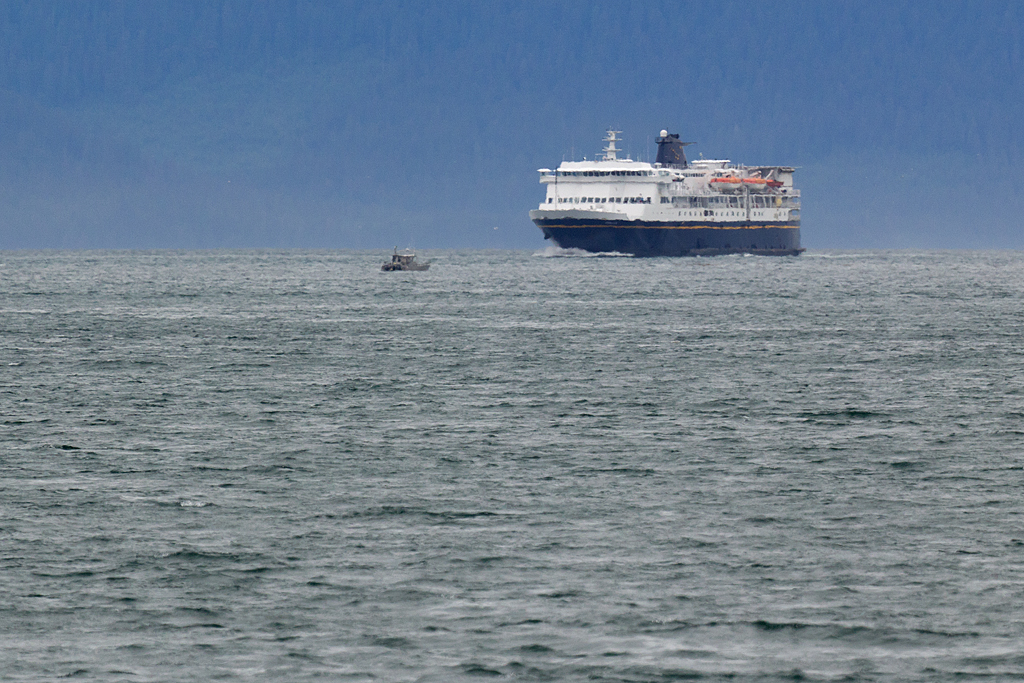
672 188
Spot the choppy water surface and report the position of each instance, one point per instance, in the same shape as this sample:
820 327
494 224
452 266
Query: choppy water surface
291 466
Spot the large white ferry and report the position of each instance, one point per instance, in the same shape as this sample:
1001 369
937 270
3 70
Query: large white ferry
672 207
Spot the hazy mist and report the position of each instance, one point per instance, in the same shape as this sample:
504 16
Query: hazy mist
297 123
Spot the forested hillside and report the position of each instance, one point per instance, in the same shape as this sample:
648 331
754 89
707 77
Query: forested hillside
343 124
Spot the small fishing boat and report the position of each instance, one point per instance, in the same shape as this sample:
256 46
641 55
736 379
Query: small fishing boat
404 261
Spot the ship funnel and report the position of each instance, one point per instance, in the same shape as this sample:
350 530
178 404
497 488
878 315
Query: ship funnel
670 151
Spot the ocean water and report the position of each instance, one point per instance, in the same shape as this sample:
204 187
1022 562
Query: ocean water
291 466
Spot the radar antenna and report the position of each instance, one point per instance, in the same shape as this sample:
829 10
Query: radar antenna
610 150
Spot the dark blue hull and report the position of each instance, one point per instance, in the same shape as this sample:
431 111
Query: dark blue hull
673 239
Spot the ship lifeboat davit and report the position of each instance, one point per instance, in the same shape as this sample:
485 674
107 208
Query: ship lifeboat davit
755 184
726 184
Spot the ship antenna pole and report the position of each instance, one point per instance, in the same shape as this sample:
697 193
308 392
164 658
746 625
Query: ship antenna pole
611 151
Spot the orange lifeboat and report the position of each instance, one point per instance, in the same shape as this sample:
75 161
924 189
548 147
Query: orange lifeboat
725 184
755 184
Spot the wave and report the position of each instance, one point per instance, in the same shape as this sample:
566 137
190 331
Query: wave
559 252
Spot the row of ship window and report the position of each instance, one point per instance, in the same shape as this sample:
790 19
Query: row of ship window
692 202
756 201
589 174
602 200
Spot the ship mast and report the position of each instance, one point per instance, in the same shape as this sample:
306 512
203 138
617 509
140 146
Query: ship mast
610 151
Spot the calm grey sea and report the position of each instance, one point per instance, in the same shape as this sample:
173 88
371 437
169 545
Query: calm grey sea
526 466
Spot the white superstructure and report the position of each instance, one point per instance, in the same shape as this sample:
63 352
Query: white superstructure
707 191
